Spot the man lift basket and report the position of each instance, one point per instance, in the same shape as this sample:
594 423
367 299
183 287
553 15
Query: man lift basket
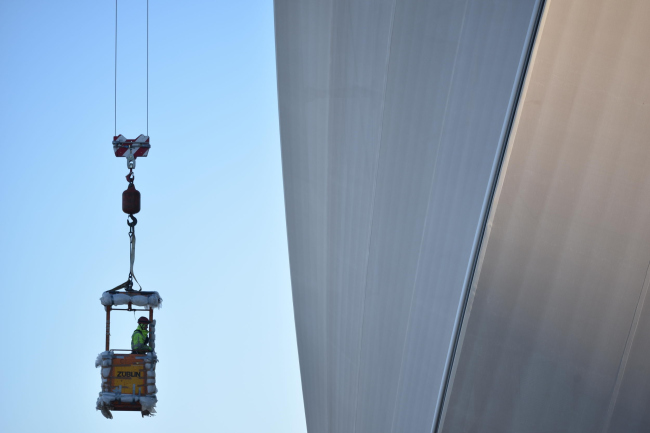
129 378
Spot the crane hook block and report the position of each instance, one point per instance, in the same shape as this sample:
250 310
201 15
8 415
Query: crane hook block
131 200
131 148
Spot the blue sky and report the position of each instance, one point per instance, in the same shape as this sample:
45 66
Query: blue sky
211 235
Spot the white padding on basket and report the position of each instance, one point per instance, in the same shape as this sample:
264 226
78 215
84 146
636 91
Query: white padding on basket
105 399
152 335
148 403
104 359
148 301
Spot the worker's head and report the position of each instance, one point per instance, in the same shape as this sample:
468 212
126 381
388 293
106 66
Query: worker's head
143 321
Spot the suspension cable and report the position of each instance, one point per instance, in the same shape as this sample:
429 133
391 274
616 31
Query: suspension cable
115 133
115 101
147 68
131 207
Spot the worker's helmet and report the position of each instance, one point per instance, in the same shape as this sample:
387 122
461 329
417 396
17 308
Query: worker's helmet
143 320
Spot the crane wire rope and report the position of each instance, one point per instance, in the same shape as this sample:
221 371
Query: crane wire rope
131 220
115 73
115 103
147 68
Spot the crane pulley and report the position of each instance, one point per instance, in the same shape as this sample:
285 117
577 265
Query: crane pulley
131 149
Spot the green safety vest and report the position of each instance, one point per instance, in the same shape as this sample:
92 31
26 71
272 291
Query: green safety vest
138 339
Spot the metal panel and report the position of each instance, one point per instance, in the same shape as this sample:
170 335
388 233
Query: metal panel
551 341
303 41
390 121
628 407
451 73
361 33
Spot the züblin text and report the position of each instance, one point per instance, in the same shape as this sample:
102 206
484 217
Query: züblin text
125 374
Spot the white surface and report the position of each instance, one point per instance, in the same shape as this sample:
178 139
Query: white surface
152 335
152 301
390 117
106 398
557 339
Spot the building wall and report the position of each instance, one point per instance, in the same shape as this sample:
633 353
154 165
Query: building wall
391 116
558 335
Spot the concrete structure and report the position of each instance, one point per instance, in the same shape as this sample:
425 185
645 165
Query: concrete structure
467 212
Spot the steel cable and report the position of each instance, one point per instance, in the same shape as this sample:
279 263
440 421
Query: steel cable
115 132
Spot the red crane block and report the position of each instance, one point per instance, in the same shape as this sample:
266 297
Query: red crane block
138 147
131 149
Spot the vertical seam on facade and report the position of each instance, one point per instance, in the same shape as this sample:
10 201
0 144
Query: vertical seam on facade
626 352
424 228
372 213
529 48
326 225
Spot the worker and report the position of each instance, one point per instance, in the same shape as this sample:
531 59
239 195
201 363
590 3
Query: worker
140 337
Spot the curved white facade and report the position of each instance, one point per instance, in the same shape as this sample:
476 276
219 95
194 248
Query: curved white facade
393 115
